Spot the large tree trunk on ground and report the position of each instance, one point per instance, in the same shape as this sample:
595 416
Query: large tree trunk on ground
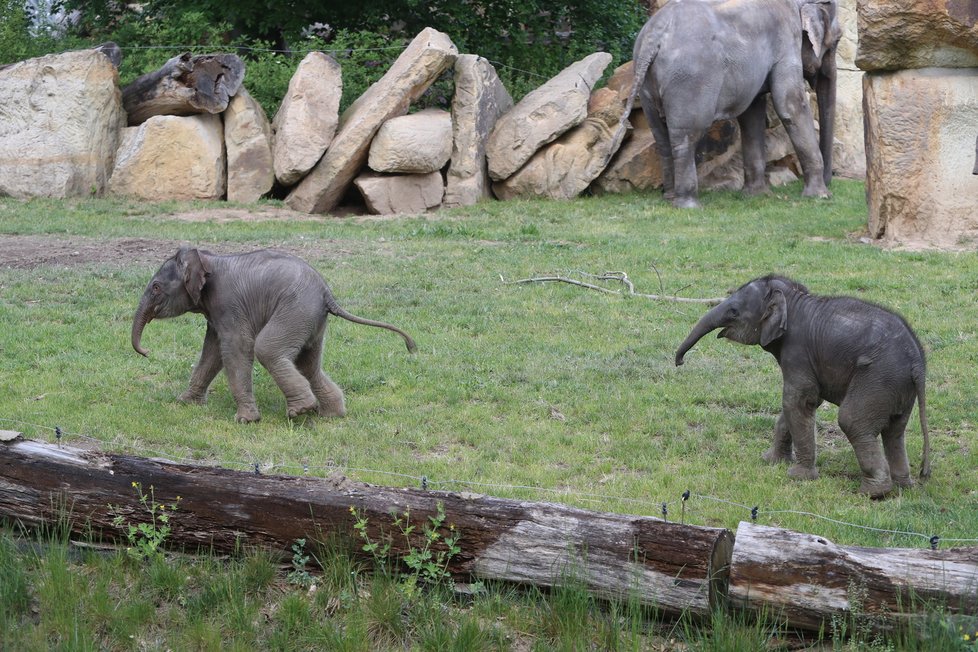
670 566
186 85
807 580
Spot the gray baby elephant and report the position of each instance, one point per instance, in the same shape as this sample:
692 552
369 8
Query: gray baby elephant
855 354
263 304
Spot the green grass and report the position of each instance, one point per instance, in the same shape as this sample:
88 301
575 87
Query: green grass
537 391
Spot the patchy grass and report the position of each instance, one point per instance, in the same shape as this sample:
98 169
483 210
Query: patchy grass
535 391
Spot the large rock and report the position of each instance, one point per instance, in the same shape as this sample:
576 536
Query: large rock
413 144
564 168
849 150
427 56
60 122
920 150
480 98
902 34
171 157
543 115
248 139
306 121
400 193
636 165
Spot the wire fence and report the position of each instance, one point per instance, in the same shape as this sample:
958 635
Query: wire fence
667 509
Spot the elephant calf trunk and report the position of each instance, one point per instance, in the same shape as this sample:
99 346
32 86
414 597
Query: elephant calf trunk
139 322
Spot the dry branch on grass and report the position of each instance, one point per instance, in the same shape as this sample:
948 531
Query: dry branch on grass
620 277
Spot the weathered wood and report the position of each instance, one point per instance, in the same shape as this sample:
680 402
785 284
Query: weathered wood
670 566
807 580
186 85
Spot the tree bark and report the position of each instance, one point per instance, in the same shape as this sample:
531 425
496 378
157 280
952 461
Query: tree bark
809 581
186 85
670 566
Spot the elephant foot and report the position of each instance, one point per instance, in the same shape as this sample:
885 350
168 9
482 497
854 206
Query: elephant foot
799 472
875 488
903 481
193 397
757 190
685 202
299 408
816 190
248 414
775 456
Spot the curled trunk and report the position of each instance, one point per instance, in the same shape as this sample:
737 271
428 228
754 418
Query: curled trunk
143 316
708 322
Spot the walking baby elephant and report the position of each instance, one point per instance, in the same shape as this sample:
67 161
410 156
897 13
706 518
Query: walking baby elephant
262 304
857 355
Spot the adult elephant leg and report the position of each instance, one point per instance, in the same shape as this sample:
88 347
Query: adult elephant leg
238 354
278 355
863 414
208 366
798 406
683 142
895 449
780 450
661 135
752 131
791 103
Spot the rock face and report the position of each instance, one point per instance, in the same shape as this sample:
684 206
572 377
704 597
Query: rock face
920 135
428 55
248 139
564 168
480 98
171 157
306 121
61 119
401 193
904 34
543 115
849 151
413 144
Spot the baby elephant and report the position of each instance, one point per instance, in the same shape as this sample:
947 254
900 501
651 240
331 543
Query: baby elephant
262 304
857 355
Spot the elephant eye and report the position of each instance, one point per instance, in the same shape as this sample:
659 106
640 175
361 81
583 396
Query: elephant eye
733 312
156 288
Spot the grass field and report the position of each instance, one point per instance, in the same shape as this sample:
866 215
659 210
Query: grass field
540 391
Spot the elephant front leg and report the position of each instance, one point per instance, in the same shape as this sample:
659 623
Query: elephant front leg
206 369
798 411
791 104
780 450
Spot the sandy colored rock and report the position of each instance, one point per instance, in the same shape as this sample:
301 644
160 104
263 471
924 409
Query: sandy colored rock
248 139
413 144
543 115
920 147
427 56
903 34
480 98
171 157
60 123
306 121
401 193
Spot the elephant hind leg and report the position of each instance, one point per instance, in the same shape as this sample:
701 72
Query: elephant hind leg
278 360
328 394
861 419
895 449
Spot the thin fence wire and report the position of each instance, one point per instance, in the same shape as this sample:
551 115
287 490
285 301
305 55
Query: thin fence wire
666 508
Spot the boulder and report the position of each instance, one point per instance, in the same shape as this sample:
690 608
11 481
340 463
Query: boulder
636 165
248 139
480 98
413 144
920 152
400 193
566 167
424 59
849 151
903 34
306 121
171 157
543 115
61 122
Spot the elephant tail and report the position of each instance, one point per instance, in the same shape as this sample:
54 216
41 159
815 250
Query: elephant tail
920 384
640 66
335 309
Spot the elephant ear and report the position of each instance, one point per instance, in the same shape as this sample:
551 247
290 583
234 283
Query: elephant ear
819 23
195 272
774 322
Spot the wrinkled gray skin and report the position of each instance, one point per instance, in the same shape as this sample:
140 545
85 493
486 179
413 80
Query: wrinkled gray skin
857 355
698 61
263 304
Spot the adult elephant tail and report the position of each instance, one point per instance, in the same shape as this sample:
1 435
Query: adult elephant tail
920 384
334 308
645 52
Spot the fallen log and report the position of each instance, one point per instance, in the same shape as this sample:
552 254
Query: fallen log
672 567
186 85
808 581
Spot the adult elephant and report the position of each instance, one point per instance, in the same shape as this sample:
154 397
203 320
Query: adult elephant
698 61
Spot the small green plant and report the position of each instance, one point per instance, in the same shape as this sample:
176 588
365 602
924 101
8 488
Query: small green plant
429 551
146 539
299 575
